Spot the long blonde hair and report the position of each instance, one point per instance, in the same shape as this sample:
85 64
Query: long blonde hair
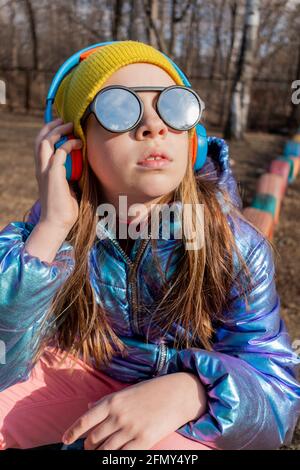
195 298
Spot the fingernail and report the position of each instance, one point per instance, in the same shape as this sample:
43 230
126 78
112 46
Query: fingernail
66 438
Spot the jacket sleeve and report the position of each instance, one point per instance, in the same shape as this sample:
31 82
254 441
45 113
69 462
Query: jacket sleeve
252 394
27 288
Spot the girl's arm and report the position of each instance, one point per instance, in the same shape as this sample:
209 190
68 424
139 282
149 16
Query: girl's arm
44 241
253 396
31 272
28 284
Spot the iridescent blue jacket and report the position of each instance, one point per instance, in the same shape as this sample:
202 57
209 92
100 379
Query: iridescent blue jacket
249 377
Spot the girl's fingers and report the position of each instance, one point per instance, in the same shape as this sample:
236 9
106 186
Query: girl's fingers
60 154
47 155
46 147
58 131
43 156
84 423
103 433
54 135
47 132
42 136
48 127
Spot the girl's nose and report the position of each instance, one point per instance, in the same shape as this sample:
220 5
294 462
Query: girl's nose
151 125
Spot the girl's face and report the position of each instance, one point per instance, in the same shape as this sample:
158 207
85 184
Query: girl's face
114 157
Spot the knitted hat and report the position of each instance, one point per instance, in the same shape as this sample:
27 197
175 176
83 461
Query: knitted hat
80 86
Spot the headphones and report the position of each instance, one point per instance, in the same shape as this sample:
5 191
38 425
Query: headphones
74 160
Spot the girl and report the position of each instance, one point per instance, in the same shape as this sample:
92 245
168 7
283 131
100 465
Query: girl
138 343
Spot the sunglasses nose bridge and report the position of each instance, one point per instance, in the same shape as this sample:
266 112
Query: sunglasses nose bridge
150 118
152 123
149 111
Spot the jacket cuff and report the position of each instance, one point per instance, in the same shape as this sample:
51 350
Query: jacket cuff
239 414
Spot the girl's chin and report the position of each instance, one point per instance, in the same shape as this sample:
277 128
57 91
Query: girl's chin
152 194
156 188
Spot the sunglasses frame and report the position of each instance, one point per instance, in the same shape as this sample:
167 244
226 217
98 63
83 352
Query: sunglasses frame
91 109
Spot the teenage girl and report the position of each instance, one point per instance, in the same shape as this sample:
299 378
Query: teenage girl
139 342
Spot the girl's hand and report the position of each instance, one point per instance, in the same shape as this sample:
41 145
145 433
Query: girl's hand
59 205
140 415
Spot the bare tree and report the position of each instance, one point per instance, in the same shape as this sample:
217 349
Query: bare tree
33 34
34 49
235 13
218 15
117 19
240 98
191 32
153 32
106 25
136 25
175 19
153 29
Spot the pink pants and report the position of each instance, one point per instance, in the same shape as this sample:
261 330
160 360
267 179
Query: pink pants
38 411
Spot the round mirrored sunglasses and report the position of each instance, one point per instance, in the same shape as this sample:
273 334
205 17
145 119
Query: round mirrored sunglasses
119 109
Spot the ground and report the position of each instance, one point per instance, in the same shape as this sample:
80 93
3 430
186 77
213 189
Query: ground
251 157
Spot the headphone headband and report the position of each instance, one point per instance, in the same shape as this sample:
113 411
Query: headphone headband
63 70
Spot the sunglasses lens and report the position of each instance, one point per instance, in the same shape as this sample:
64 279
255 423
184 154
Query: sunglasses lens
179 108
117 109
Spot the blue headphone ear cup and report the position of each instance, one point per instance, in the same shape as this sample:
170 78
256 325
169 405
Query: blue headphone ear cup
74 160
68 163
202 147
68 166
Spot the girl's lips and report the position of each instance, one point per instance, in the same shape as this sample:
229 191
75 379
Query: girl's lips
154 164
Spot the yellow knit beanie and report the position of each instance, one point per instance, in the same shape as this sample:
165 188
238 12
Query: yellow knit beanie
80 86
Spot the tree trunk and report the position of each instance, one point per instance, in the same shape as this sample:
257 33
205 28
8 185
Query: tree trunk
117 20
154 18
191 46
153 25
172 28
136 26
107 22
236 9
32 28
14 62
240 97
218 20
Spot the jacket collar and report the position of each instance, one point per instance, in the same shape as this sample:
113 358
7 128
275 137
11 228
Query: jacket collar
217 168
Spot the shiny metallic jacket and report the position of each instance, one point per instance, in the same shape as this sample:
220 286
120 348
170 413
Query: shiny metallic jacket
253 395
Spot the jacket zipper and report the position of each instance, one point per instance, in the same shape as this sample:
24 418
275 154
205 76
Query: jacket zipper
134 321
133 282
